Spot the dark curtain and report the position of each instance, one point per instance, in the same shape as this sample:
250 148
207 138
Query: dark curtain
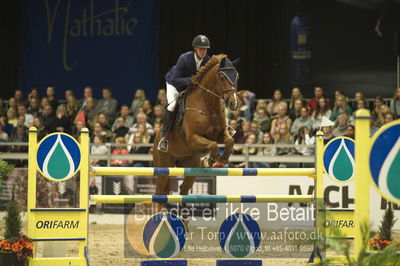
257 31
9 47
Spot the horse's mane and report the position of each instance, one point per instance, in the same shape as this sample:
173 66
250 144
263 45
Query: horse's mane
215 59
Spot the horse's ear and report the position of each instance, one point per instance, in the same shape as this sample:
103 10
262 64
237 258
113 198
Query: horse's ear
222 64
236 62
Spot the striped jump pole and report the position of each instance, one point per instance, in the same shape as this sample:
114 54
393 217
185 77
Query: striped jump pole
115 199
172 171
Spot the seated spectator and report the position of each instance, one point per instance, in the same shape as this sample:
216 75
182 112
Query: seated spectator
357 96
341 103
62 121
249 99
48 118
265 151
120 130
51 97
164 102
89 110
156 129
342 123
313 102
3 109
162 94
28 117
251 139
261 103
87 93
328 134
41 130
395 103
262 119
376 109
282 117
98 130
275 103
158 113
19 96
283 137
389 117
68 93
236 115
141 118
33 94
12 103
321 111
244 110
138 139
372 128
12 116
120 149
303 121
137 102
107 105
295 95
234 127
20 136
245 132
360 104
141 129
147 108
43 103
124 113
103 120
255 129
304 137
349 132
20 123
33 107
76 132
296 109
3 138
6 126
71 108
383 111
98 148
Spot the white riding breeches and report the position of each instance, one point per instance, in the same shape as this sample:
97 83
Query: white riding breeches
172 97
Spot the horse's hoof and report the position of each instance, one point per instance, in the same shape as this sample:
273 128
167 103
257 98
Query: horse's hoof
211 162
222 159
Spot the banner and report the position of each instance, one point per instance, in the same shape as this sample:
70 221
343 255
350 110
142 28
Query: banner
98 43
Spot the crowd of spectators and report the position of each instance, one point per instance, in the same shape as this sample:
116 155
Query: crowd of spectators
257 121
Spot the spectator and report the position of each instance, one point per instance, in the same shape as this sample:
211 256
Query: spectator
349 132
33 107
124 113
120 150
266 151
51 97
103 120
158 113
89 110
71 108
3 138
249 99
255 129
303 121
28 117
98 130
41 130
49 118
156 128
296 110
62 121
262 119
19 96
328 134
389 117
251 140
341 102
372 128
246 130
6 126
3 110
313 102
321 111
34 94
43 103
276 101
87 93
304 137
261 104
282 118
107 105
138 139
98 148
395 103
12 103
141 118
296 95
245 111
164 102
145 137
12 116
79 125
120 130
342 123
237 116
20 136
235 128
357 96
68 93
137 102
283 137
147 108
162 94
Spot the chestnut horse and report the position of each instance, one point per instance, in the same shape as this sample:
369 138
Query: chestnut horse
203 124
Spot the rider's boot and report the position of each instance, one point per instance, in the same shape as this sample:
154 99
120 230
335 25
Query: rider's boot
163 144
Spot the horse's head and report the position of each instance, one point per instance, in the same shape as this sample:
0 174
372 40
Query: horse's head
227 82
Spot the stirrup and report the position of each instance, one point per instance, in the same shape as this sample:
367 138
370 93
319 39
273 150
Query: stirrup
163 145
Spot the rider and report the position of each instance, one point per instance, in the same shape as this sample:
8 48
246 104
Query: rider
179 77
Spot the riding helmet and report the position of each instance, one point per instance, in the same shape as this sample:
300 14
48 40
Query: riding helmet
201 41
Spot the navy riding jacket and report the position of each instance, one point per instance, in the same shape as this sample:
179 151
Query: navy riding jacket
181 74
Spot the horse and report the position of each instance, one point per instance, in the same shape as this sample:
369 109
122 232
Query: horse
203 125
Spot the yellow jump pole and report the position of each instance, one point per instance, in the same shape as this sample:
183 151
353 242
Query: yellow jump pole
31 179
362 190
84 189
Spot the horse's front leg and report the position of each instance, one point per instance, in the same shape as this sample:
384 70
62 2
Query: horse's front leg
200 143
228 141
